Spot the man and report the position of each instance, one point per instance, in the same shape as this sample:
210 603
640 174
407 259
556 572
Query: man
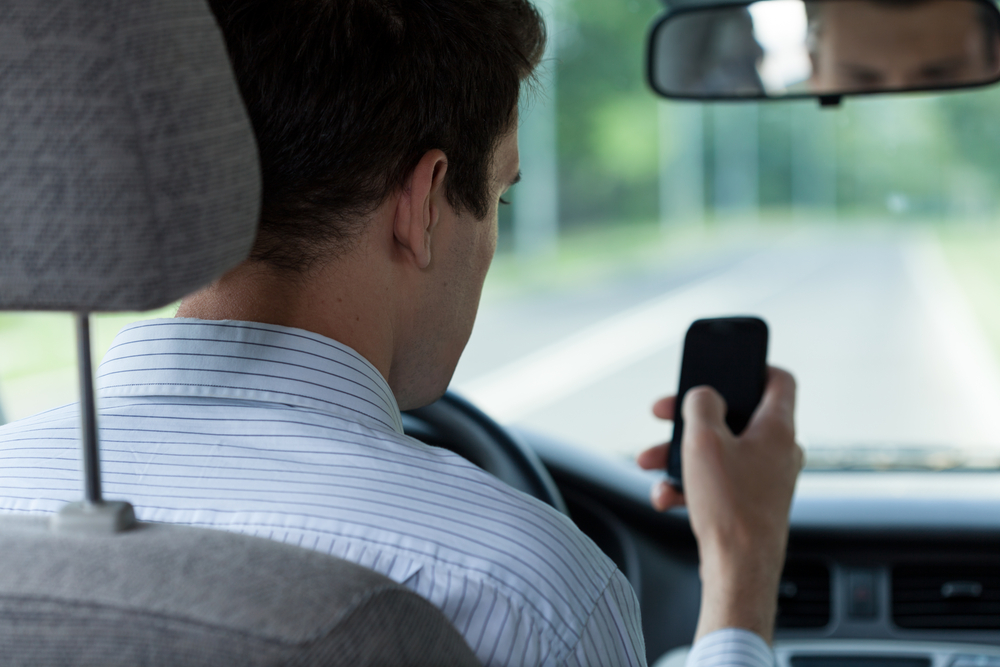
858 45
387 134
709 53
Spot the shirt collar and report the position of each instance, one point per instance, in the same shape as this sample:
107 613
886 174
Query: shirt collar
247 361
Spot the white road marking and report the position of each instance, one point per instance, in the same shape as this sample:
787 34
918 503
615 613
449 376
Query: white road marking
963 347
887 351
562 368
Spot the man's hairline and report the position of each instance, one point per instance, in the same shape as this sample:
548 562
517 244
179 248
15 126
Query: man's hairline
346 247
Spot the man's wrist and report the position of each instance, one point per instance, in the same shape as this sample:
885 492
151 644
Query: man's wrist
745 596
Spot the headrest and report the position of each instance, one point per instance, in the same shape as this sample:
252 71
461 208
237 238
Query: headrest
128 167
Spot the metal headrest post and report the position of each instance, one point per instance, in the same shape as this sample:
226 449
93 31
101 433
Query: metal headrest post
88 414
93 515
132 110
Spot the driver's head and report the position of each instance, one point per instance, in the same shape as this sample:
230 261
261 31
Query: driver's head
387 133
345 96
858 45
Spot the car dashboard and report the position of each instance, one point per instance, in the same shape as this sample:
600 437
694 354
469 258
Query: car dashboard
884 569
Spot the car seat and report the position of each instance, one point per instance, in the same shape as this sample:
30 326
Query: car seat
128 178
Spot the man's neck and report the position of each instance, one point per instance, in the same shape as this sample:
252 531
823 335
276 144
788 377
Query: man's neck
254 292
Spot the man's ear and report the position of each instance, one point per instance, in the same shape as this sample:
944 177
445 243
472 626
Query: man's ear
419 207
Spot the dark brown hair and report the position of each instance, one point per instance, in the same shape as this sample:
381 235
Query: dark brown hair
345 97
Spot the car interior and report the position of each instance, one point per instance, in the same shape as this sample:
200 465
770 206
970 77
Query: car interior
894 549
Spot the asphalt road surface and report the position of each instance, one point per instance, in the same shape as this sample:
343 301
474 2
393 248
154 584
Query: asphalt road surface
887 353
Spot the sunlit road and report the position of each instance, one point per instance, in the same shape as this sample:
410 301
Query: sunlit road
885 349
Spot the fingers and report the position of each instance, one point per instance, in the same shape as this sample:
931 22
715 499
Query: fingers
779 394
663 496
704 405
664 408
654 458
774 418
709 405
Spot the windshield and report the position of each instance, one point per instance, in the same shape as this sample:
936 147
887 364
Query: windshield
866 236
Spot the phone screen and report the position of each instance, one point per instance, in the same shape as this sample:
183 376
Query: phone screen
730 355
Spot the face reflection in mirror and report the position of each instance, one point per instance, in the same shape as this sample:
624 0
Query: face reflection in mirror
861 45
709 53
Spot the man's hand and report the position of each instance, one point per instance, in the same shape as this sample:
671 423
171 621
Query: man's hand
738 491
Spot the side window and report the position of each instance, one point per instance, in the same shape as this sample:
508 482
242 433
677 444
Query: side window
38 357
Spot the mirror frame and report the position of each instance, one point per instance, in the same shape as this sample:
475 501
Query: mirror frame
826 99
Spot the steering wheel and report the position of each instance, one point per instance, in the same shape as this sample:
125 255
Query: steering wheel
455 424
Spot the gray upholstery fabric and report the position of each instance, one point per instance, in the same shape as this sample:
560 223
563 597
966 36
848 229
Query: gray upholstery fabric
128 168
174 595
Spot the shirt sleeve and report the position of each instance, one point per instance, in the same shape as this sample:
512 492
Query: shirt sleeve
731 647
612 636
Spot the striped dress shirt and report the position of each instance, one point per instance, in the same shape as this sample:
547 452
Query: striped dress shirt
289 435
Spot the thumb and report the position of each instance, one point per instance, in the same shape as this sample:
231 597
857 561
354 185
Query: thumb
704 407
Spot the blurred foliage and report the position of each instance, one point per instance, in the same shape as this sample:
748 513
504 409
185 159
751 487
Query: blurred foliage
608 154
971 122
620 139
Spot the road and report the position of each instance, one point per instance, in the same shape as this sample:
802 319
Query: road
885 349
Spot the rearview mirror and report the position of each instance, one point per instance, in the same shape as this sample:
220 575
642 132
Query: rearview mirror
823 48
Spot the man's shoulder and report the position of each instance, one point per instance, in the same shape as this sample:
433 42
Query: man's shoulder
262 468
43 425
530 552
470 509
524 527
449 512
40 461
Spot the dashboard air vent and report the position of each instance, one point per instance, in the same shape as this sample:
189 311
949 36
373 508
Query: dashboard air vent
947 596
804 595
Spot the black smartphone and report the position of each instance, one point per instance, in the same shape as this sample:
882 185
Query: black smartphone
728 354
